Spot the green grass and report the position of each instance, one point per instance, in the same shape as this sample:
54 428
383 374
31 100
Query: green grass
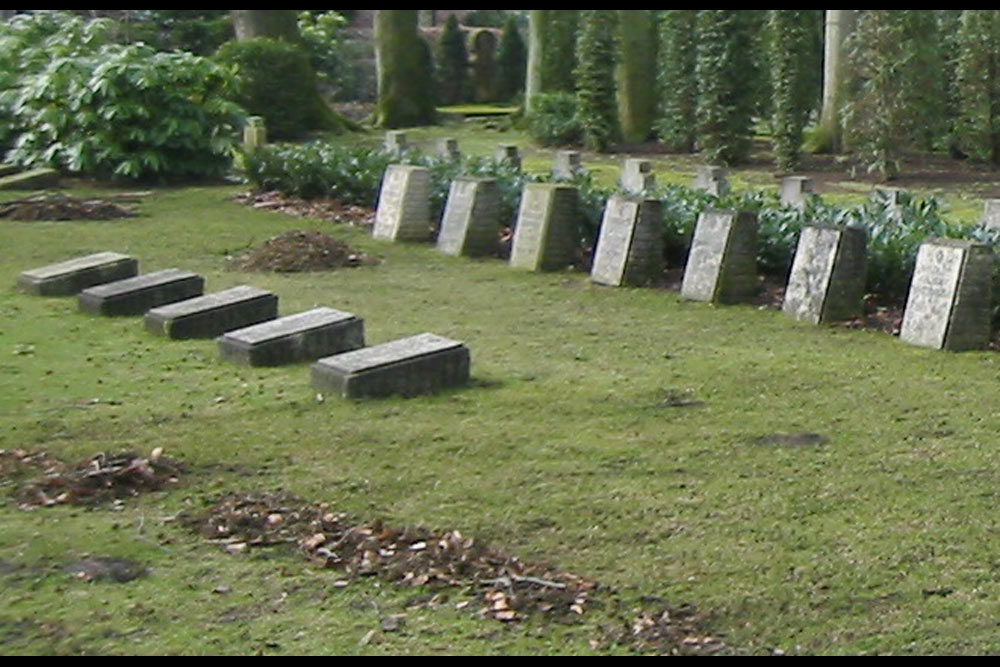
561 450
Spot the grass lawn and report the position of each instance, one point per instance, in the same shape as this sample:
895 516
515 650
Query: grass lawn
565 449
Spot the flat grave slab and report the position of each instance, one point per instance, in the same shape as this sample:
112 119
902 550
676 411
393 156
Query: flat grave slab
471 222
304 336
70 277
722 264
543 238
422 364
630 247
213 314
827 282
404 206
34 179
950 302
134 296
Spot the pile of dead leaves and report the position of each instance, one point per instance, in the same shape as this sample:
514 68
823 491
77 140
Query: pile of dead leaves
49 206
41 480
330 210
295 251
673 632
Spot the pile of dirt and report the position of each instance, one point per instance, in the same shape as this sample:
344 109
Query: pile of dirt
41 480
506 588
330 210
57 206
299 250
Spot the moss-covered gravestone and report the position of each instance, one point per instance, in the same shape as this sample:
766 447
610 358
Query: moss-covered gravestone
404 208
546 220
254 134
722 264
950 301
827 283
471 222
991 214
630 247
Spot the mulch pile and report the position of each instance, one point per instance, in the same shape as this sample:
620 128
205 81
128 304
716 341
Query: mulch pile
49 206
504 588
330 210
299 250
41 480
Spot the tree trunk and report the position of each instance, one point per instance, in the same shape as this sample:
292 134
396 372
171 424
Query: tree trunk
839 25
405 71
536 55
636 74
273 23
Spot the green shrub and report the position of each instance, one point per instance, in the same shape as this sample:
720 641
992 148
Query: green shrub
452 64
200 31
512 61
329 56
553 120
319 169
276 81
597 107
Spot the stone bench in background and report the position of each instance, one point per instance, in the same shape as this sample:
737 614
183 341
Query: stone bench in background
301 337
72 276
134 296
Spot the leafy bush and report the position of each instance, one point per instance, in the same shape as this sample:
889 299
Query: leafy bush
319 169
553 120
512 59
451 61
200 31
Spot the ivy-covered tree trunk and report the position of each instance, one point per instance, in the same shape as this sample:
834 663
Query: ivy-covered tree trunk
839 24
978 85
789 33
724 101
595 78
273 23
536 56
676 77
405 71
636 73
559 62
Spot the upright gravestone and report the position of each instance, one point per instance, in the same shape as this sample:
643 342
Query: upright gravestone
395 143
509 154
630 247
566 165
447 148
637 176
894 199
827 283
722 264
795 191
471 221
711 179
991 214
254 134
404 209
543 238
950 301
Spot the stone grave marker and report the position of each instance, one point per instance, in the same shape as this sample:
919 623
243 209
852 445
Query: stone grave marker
722 264
33 179
395 143
508 153
950 302
254 134
991 214
404 208
566 165
422 364
894 199
70 277
630 246
307 336
543 238
134 296
447 148
471 222
827 282
637 176
795 191
711 180
213 314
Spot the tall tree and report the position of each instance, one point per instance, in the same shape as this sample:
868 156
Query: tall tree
512 61
839 24
978 85
636 73
452 64
405 71
678 86
789 40
537 19
725 102
595 78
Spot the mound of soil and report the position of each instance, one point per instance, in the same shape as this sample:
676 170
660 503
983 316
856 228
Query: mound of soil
66 207
299 250
331 210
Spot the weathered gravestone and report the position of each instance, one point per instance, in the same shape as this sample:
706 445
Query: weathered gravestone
301 337
991 214
543 238
447 148
566 165
33 179
722 264
254 134
404 208
950 301
637 176
509 154
711 180
395 143
795 191
134 296
70 277
827 282
471 222
213 314
630 247
422 364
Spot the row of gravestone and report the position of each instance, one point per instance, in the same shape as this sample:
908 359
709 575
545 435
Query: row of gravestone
949 305
244 320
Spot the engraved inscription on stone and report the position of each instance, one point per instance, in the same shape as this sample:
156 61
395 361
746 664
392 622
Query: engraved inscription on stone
543 239
403 212
471 220
828 275
795 191
991 214
72 276
721 266
949 304
630 246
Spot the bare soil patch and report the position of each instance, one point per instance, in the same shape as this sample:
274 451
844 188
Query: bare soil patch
58 206
330 210
301 250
